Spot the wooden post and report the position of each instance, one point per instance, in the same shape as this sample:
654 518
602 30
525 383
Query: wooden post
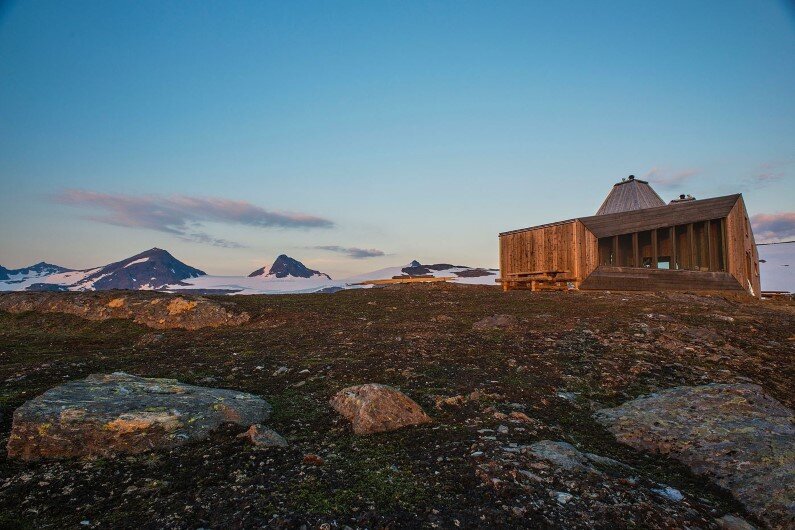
725 243
710 259
672 236
635 251
614 261
692 244
654 252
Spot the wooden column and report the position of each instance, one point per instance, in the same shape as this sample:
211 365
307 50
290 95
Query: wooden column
672 237
725 243
614 261
654 252
635 251
710 258
691 243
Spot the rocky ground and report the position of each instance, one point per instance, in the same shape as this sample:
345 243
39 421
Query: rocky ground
511 382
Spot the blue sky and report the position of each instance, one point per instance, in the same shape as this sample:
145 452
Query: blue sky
230 132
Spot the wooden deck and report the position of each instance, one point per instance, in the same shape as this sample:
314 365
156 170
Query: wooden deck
546 280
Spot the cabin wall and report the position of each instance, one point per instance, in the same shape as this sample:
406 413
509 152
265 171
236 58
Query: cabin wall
742 257
587 251
552 247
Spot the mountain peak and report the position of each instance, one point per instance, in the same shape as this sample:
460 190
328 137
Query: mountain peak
285 266
152 269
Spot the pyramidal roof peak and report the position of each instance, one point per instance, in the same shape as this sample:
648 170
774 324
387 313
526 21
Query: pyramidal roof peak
630 194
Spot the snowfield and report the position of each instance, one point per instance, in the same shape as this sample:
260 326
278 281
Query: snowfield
268 284
63 278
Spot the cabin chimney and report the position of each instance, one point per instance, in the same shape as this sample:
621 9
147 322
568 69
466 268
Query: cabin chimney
683 198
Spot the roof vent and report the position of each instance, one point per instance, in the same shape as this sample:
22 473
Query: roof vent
632 177
684 198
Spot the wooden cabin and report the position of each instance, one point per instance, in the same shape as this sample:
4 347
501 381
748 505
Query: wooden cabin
636 242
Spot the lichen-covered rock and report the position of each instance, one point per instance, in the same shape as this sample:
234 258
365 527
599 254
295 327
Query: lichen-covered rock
156 310
107 414
736 435
375 408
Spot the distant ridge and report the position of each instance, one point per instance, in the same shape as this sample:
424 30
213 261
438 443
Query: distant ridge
39 269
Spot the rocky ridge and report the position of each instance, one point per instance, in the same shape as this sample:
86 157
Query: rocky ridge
155 310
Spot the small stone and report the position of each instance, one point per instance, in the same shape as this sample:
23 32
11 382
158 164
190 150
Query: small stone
563 455
502 429
313 460
669 493
563 497
373 408
280 371
496 322
263 437
520 416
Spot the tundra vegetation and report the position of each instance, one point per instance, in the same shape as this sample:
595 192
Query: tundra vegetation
512 385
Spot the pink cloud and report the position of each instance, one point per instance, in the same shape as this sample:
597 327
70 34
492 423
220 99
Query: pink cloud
182 215
773 227
670 179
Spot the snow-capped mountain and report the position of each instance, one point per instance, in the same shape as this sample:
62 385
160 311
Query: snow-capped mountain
152 269
158 270
285 266
34 271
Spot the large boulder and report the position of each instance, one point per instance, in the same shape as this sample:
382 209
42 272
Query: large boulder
737 436
375 408
107 414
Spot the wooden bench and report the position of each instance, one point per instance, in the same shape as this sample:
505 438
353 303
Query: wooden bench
547 280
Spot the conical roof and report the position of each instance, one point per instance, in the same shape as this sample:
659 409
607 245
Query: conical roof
630 194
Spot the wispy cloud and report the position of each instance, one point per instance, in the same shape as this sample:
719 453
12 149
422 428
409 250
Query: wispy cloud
773 227
353 252
766 174
182 215
670 179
